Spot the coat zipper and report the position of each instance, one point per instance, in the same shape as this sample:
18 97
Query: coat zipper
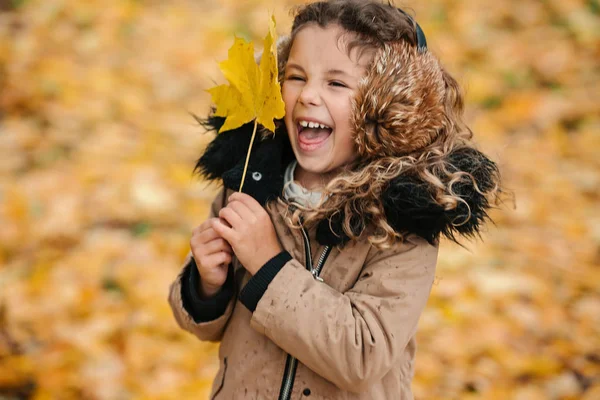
291 363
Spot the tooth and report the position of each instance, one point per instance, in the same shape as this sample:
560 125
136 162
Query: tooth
311 125
303 124
321 126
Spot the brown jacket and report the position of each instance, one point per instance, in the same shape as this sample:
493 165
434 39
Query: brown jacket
353 333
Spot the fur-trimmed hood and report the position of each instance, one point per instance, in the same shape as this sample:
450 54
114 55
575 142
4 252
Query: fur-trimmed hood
400 108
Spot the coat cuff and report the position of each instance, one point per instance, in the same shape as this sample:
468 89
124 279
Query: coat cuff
204 310
257 285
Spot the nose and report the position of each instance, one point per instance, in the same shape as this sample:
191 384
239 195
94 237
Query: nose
310 95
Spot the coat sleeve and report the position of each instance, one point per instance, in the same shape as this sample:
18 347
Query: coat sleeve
354 338
205 318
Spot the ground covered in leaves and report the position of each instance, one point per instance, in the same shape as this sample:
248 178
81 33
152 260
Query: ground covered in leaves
97 201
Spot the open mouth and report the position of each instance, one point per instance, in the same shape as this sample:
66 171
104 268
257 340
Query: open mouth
312 135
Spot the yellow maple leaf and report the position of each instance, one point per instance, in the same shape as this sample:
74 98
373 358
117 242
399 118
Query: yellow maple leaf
253 92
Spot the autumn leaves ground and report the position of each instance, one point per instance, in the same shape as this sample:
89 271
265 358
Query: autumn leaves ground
97 200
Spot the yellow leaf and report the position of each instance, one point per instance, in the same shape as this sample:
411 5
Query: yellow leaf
230 103
253 91
273 106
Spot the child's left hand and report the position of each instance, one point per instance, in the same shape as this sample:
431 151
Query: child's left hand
251 234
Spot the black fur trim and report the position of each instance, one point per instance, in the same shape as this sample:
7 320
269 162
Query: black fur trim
225 156
330 231
409 207
409 204
485 175
225 150
264 175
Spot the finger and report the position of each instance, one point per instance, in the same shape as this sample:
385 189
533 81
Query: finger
205 236
249 201
243 210
224 231
217 245
202 227
231 216
216 259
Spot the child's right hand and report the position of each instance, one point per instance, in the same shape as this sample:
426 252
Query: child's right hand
212 254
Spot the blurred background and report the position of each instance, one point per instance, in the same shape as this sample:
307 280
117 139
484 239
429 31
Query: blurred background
97 199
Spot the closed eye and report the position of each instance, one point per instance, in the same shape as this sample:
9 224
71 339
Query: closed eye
294 78
338 84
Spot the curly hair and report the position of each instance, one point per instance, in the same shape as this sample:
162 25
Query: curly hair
414 136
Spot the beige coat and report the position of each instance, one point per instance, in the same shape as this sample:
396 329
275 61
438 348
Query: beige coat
353 334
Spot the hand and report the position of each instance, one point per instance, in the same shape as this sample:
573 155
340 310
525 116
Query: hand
251 233
212 255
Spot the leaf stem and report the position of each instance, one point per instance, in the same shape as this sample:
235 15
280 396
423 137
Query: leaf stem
248 155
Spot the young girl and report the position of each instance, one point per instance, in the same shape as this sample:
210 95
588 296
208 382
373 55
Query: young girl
314 278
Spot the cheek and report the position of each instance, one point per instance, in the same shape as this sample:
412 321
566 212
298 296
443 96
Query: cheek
342 112
347 149
287 94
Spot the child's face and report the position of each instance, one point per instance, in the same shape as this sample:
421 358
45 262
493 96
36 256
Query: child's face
320 82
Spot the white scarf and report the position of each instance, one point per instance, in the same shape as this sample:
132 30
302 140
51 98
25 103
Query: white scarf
293 191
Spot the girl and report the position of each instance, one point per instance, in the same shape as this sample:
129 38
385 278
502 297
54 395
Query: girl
314 278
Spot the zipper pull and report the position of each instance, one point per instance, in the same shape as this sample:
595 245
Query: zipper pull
314 274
